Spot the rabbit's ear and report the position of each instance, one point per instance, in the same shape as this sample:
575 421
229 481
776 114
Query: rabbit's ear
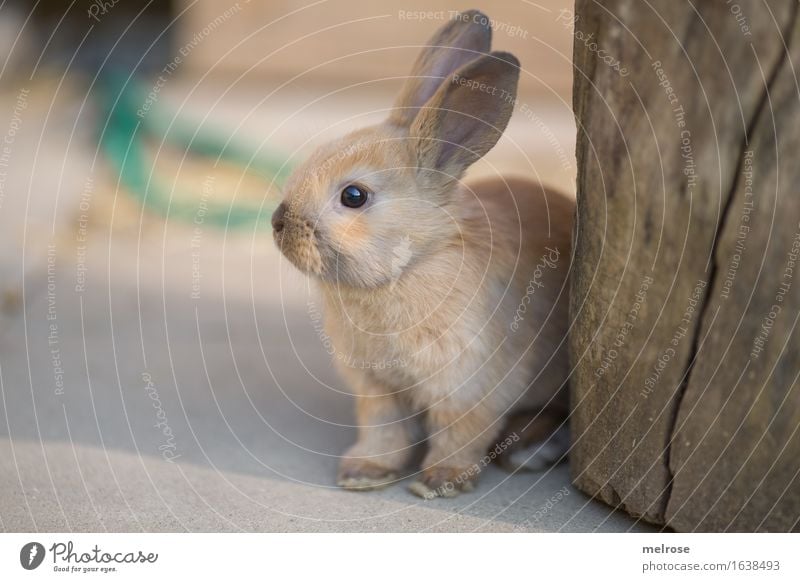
467 115
463 39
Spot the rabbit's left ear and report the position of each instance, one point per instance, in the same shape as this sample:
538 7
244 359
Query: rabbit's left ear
467 115
465 38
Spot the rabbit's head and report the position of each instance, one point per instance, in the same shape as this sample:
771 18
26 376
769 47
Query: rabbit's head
366 207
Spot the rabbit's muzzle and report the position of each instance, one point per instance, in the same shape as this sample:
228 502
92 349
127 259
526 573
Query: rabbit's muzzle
296 239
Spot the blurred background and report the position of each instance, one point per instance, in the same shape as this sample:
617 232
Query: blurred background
161 367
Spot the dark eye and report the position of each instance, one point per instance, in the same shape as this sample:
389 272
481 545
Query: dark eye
354 196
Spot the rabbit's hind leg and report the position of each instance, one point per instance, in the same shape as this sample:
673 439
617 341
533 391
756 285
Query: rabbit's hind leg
539 439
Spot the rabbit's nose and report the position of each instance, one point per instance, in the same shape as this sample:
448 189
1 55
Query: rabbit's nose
277 217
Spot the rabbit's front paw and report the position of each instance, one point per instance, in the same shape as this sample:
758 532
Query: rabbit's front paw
442 481
364 475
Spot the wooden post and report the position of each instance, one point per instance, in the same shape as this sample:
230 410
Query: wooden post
686 286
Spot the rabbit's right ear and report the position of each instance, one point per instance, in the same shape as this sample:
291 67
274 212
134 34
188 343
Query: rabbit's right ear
465 38
467 115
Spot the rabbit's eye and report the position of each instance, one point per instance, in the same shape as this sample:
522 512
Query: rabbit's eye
353 196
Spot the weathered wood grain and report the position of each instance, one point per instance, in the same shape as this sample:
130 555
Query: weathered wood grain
660 155
736 455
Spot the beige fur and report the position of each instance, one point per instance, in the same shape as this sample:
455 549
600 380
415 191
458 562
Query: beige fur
431 290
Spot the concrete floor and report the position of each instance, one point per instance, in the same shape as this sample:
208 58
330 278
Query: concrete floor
102 385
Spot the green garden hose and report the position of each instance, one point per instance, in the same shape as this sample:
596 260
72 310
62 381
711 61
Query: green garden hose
122 142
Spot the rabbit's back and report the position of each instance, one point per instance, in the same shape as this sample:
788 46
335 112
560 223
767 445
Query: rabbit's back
530 228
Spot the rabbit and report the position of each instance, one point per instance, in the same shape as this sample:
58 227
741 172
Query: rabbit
446 301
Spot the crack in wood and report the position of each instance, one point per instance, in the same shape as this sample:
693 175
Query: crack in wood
713 264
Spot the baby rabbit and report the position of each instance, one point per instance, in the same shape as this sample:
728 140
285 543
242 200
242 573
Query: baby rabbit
446 301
